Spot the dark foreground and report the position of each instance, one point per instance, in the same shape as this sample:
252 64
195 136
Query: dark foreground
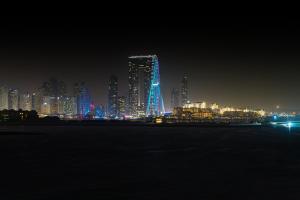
149 163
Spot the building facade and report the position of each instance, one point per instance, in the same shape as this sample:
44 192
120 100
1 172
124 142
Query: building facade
45 107
70 106
184 90
140 69
144 86
26 102
13 99
3 98
83 98
113 97
121 106
37 101
174 98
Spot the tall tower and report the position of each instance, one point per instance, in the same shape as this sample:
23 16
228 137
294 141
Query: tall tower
37 101
113 97
26 101
83 97
121 106
144 96
184 90
54 89
140 69
174 98
13 99
3 98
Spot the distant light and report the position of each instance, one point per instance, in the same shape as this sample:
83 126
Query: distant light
158 120
275 117
289 124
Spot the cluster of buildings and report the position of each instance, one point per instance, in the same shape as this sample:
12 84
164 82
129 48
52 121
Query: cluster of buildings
203 111
144 98
144 95
51 99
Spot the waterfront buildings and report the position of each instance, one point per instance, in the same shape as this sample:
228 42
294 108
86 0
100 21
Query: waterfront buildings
201 111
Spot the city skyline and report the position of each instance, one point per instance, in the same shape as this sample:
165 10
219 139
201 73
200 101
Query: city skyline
231 61
149 106
183 87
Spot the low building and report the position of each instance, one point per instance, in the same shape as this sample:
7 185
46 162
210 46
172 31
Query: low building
17 115
192 113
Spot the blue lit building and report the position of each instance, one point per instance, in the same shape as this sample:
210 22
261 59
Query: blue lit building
144 97
82 94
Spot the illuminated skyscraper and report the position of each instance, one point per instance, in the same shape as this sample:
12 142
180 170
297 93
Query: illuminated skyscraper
113 97
37 101
25 102
60 105
121 106
54 89
144 86
13 99
174 98
70 106
83 97
3 98
45 107
99 112
184 90
54 105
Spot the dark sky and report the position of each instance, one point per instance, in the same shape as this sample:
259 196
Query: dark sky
239 61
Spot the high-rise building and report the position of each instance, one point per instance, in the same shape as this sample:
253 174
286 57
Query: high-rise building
45 107
113 97
144 86
83 97
13 99
60 105
99 112
25 102
184 90
54 88
54 101
121 106
3 98
174 98
70 106
37 101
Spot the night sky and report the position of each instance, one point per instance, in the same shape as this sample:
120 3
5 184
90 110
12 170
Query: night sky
238 61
